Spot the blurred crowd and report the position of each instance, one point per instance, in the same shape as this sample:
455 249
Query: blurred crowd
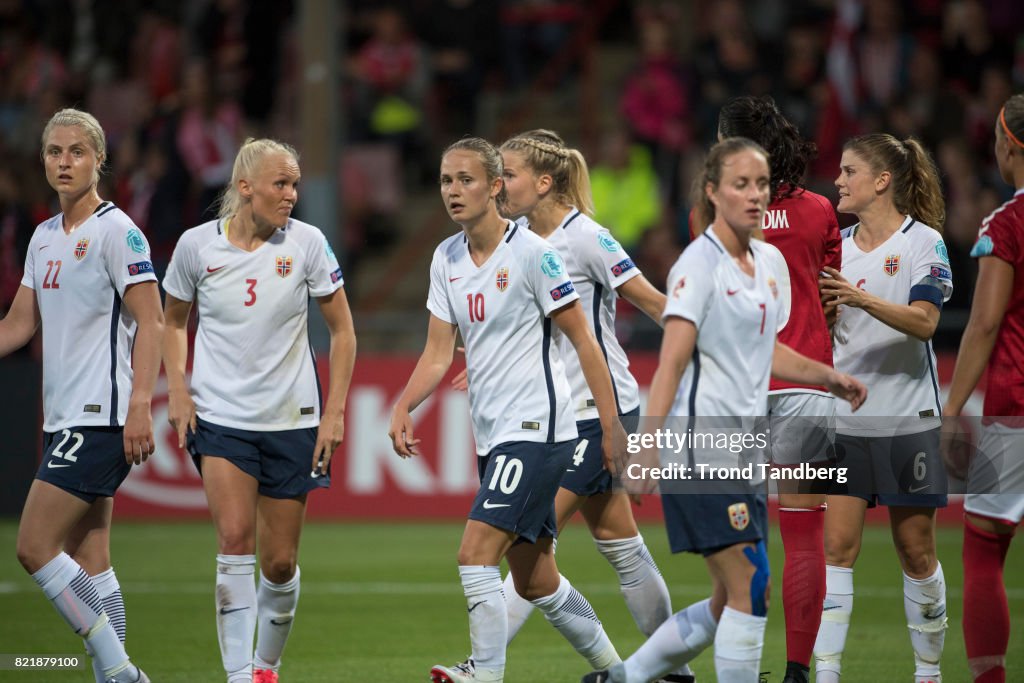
177 86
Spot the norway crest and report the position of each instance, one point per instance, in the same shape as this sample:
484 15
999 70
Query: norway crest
81 249
501 279
284 266
739 516
892 264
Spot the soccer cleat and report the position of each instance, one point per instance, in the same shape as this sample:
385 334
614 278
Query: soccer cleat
264 676
763 676
677 678
596 677
796 673
463 672
143 678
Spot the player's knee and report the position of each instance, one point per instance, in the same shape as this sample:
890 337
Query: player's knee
279 569
841 551
917 563
236 540
760 579
32 555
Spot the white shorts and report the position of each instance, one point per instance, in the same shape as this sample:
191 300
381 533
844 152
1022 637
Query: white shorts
803 426
995 481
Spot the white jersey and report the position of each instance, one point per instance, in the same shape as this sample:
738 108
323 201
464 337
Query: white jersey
597 266
79 281
517 385
253 366
737 318
898 369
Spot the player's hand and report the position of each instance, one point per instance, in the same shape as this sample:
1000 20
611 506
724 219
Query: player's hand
138 432
402 439
461 381
836 290
613 448
848 388
955 445
640 486
328 437
181 414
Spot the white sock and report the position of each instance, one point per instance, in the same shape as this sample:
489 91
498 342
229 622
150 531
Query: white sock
739 640
109 591
74 595
640 581
572 615
678 640
924 601
835 623
275 612
236 614
519 608
488 621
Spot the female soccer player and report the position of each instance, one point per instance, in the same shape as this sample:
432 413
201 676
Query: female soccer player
723 312
994 339
803 226
548 185
253 418
89 282
894 281
502 287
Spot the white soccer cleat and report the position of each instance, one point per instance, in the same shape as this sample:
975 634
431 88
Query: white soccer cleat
463 672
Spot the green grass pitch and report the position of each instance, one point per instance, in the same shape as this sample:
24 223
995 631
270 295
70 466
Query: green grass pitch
382 602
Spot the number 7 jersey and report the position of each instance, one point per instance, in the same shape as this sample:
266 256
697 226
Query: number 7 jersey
253 366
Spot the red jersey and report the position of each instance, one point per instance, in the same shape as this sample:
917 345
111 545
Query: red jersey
805 229
1001 236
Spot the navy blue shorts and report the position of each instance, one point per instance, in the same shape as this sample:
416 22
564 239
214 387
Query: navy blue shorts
586 475
281 461
901 471
706 523
87 462
518 483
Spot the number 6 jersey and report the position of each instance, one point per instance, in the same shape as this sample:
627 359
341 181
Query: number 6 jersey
79 279
253 366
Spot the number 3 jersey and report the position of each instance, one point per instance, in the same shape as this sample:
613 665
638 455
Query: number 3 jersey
79 281
518 389
897 368
253 366
737 318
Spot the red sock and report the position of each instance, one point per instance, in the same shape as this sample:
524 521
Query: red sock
986 620
803 579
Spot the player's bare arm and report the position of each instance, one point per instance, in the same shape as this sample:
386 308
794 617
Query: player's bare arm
181 409
21 321
338 317
430 368
790 366
573 323
642 294
991 297
143 302
918 318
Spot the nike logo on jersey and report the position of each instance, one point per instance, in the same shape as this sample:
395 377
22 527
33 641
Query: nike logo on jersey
53 465
43 247
453 279
213 270
224 610
918 489
488 505
730 292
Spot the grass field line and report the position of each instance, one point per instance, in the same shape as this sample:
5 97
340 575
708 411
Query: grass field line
405 588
